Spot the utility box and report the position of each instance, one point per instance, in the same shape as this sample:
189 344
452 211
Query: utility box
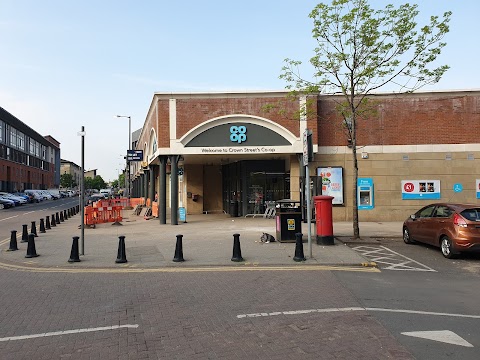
324 219
288 219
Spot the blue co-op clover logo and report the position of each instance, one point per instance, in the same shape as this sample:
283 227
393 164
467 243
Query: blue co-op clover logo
238 134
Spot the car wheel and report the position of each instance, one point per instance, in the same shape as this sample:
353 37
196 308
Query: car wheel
406 237
447 247
1 206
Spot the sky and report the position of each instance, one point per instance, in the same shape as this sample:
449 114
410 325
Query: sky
65 64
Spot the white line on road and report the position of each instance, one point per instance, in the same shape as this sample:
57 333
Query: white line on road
29 212
11 217
65 332
328 310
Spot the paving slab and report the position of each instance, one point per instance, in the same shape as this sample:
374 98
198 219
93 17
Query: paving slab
207 241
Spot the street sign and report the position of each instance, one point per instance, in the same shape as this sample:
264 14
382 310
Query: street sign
305 147
457 187
134 155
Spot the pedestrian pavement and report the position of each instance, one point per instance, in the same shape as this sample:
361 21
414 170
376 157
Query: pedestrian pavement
207 241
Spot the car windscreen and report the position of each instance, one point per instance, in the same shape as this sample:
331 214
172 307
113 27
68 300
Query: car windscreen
471 214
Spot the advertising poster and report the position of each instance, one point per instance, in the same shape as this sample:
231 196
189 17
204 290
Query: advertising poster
332 183
477 186
420 189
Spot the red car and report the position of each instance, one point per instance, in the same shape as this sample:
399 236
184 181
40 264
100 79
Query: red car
452 227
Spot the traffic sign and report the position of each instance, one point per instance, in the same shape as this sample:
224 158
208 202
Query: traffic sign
457 188
134 155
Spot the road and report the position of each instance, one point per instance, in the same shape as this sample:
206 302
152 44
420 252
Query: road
14 218
420 306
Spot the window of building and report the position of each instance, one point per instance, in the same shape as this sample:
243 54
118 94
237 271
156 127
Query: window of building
37 149
13 137
2 127
32 147
44 152
20 140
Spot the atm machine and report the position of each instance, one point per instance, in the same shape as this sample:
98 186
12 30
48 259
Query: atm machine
365 198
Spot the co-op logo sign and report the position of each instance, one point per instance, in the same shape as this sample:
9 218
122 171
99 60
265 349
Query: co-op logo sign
238 134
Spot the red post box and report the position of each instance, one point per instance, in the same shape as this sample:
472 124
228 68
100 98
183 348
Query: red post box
323 218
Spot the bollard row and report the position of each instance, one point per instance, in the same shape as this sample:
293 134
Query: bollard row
45 224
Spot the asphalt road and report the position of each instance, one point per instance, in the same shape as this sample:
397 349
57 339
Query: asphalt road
442 295
14 218
228 314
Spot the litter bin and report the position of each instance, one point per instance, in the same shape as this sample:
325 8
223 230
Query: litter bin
233 208
323 219
288 219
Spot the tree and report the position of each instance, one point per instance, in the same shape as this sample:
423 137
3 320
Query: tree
360 50
66 181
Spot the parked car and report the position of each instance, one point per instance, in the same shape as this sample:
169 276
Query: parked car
454 228
23 195
36 196
55 193
94 197
6 203
18 200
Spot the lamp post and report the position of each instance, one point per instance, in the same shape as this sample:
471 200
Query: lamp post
129 148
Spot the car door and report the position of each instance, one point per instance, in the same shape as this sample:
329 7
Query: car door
418 228
438 221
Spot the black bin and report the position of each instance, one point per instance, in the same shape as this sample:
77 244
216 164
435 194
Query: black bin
233 208
288 218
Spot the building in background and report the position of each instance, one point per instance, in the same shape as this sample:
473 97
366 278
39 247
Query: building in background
69 167
91 173
239 152
56 160
27 159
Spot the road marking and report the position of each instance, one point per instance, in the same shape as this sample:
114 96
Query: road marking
445 336
392 259
11 217
297 312
172 269
29 212
66 332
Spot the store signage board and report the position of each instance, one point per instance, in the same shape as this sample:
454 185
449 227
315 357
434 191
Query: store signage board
420 189
134 155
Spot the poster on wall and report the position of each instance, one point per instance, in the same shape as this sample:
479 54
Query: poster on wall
332 183
477 186
420 189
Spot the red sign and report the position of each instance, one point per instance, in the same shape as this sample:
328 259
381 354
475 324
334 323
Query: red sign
408 187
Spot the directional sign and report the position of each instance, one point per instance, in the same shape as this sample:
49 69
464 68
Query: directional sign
445 336
134 155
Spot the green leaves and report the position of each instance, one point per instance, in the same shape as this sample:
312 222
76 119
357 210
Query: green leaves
361 49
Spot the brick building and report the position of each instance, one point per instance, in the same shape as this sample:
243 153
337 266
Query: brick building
27 159
237 149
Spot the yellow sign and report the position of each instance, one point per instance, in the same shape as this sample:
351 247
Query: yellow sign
291 224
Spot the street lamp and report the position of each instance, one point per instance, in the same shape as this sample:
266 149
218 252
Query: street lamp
129 148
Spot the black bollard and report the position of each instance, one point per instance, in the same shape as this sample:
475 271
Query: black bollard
33 229
178 257
62 219
47 222
237 252
121 256
31 251
299 256
13 241
54 223
69 212
73 211
42 226
77 208
24 233
74 254
65 215
57 218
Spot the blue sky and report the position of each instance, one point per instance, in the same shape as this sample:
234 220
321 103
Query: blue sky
67 64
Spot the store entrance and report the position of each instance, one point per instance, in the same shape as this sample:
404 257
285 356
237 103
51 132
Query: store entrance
249 186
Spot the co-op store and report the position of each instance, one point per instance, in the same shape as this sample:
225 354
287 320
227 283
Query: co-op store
237 152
